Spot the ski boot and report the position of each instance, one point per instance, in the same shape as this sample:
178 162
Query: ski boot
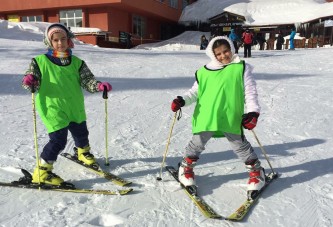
185 171
87 158
257 178
44 175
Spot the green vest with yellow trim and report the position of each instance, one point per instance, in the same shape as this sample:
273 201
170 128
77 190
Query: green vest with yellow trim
59 100
220 102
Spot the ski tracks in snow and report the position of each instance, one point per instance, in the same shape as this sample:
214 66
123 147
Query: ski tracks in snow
319 202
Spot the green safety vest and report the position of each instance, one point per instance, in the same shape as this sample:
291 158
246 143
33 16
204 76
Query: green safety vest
220 102
59 100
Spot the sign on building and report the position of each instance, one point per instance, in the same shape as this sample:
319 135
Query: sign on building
13 18
328 23
124 37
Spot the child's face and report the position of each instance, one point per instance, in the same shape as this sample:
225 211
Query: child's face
223 54
59 41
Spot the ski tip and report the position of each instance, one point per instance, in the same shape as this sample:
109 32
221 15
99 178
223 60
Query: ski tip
219 217
233 219
127 183
236 217
125 191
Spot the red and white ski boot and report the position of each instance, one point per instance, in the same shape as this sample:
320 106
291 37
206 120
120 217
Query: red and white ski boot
257 178
185 172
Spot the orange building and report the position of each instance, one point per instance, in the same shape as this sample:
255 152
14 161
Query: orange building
145 20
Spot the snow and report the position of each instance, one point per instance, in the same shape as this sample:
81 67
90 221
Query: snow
295 128
188 40
259 12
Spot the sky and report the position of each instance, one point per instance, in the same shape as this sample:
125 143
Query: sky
295 129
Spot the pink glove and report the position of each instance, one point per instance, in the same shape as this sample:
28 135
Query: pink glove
106 84
30 80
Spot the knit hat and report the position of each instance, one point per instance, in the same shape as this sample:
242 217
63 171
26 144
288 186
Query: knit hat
53 28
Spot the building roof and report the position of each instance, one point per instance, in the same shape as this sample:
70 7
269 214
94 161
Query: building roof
259 12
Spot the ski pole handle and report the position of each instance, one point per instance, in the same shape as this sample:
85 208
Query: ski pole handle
105 93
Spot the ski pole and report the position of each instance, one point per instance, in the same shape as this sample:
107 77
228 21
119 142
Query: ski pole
167 145
263 150
35 128
105 97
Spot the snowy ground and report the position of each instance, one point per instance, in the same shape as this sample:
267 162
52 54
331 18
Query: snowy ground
295 128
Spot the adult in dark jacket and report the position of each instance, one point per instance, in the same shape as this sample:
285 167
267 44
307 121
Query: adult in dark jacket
247 39
204 43
279 41
261 40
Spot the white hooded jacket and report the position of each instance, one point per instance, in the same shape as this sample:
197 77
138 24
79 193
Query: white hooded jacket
251 95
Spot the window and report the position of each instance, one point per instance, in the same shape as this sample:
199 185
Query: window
185 3
139 26
174 4
31 19
71 18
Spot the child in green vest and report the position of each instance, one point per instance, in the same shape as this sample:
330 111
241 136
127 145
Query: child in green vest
221 89
58 78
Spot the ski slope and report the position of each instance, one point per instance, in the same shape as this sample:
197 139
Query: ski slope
295 127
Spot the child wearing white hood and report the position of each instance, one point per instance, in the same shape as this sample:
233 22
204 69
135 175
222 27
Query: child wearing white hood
222 89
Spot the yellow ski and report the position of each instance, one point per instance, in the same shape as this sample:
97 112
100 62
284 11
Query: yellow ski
205 209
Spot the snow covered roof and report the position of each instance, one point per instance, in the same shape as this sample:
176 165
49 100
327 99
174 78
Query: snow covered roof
82 30
259 12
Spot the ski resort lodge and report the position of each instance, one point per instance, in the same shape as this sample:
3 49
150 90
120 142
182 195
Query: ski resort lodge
108 23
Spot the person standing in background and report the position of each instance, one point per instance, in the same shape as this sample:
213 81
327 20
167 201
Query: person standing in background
204 42
235 39
261 40
279 41
291 39
247 39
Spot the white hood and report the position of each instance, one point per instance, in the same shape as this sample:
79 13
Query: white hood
214 63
